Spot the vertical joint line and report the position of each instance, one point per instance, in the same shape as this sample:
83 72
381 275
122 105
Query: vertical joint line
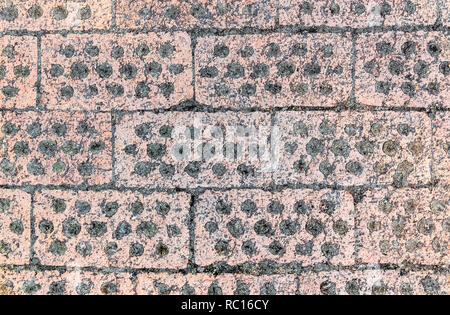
191 228
356 229
277 15
297 283
39 72
113 14
32 228
193 45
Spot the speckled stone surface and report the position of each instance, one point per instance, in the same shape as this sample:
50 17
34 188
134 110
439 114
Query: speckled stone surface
14 227
302 226
55 148
105 72
205 284
445 12
224 147
405 225
441 138
74 282
363 13
18 62
189 13
352 148
374 282
193 149
403 69
112 229
271 71
36 15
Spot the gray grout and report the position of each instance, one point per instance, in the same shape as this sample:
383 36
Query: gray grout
201 189
204 32
193 46
32 229
198 107
256 269
191 227
113 14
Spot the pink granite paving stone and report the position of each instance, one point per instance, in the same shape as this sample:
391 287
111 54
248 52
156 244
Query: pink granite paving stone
104 72
292 226
55 14
111 228
354 148
358 13
55 148
275 70
405 225
18 58
193 149
14 227
374 282
73 282
441 147
403 69
205 284
189 13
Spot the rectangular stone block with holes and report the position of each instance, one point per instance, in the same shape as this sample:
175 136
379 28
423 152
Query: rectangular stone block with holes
304 226
14 227
55 15
18 63
405 225
374 282
75 282
205 284
441 147
403 69
189 14
354 148
182 149
111 228
276 70
116 71
55 148
361 13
